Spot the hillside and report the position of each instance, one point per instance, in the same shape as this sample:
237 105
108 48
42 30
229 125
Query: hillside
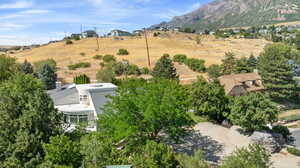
211 50
238 13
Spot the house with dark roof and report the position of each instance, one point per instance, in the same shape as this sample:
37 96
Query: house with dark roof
240 84
118 33
89 34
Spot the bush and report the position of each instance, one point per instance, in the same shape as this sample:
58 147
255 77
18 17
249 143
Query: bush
109 58
68 42
81 79
196 65
180 58
164 68
123 51
145 70
195 161
82 54
283 130
98 57
214 71
133 70
79 65
155 34
106 74
294 151
255 156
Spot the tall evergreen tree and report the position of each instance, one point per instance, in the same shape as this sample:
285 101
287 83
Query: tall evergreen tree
26 67
27 119
228 64
276 72
164 68
48 77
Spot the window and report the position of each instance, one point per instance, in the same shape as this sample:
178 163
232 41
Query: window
77 119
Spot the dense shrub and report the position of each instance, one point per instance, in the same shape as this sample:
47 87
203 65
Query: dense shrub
68 42
155 34
109 58
145 70
82 54
106 74
79 65
196 65
195 161
98 57
133 70
180 58
125 68
48 77
214 71
283 130
294 151
255 156
123 51
81 79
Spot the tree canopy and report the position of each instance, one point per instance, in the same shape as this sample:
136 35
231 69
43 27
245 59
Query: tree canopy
48 77
8 67
164 68
209 99
141 110
276 72
27 119
253 111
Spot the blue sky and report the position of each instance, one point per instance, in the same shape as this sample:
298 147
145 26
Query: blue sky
38 21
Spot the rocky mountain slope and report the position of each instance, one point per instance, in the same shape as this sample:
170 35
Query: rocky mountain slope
237 13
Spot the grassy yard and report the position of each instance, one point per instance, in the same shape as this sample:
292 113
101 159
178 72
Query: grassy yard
290 115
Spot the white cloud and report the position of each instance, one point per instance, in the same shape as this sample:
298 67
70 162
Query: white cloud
17 5
36 11
24 13
11 26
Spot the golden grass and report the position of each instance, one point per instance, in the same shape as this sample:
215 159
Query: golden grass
289 113
211 50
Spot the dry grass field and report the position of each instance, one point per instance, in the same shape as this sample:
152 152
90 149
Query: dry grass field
211 50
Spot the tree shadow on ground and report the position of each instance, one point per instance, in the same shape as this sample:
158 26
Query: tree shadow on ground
195 141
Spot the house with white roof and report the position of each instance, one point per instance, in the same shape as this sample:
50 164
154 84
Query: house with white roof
81 104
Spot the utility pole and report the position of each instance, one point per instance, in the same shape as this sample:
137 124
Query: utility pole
147 46
97 39
81 29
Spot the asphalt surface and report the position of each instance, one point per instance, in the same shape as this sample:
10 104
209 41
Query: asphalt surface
296 135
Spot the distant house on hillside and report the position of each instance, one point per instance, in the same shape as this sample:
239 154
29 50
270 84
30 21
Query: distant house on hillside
118 33
81 104
137 32
89 34
76 36
240 84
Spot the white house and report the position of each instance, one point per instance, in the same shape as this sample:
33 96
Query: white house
82 103
118 33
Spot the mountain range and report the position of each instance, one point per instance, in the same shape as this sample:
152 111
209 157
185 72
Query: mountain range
237 13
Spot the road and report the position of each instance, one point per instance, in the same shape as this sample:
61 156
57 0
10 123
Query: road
296 135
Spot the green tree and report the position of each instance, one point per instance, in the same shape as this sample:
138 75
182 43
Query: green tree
39 65
180 58
48 77
255 156
252 62
26 67
82 79
242 66
228 65
196 65
209 99
164 68
214 71
141 110
63 151
106 74
276 72
253 111
27 119
195 161
8 67
155 154
99 150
